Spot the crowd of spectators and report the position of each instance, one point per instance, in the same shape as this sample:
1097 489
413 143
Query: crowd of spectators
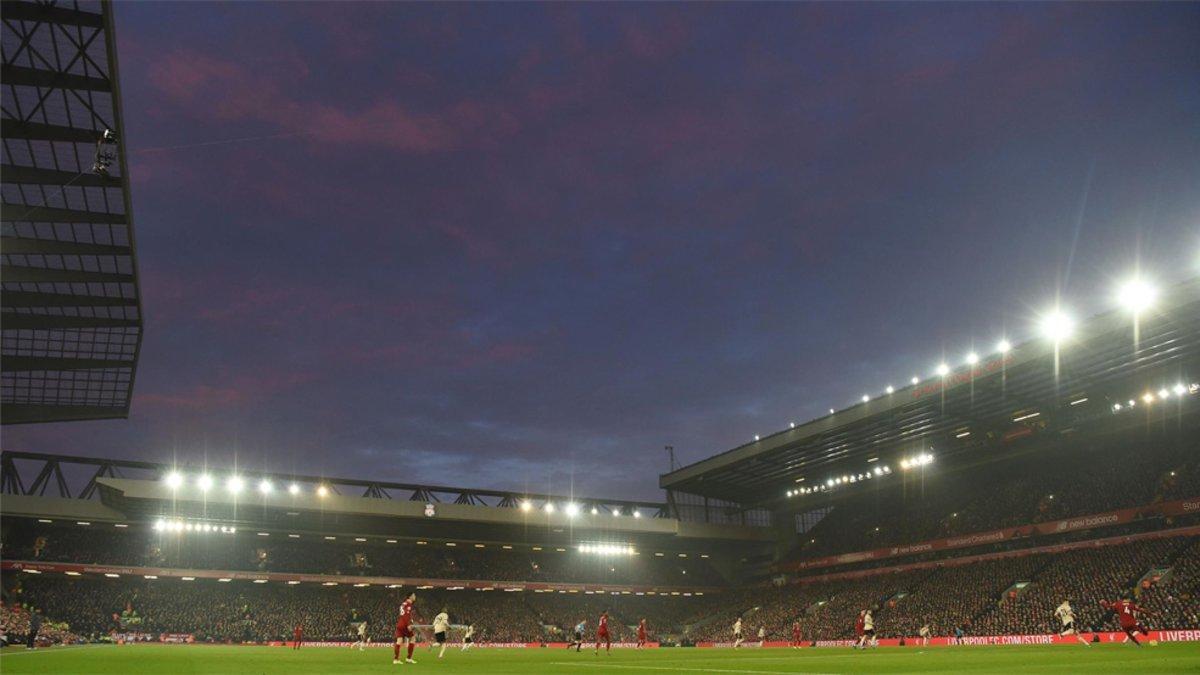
1003 596
1073 480
15 621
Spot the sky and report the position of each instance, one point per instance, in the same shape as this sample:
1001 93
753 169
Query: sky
526 246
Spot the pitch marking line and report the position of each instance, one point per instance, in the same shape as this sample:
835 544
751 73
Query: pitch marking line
606 666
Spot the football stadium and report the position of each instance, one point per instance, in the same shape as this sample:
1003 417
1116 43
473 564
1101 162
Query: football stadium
1032 503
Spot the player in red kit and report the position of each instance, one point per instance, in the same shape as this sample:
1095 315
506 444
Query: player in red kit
796 635
602 634
641 634
859 629
297 636
404 630
1127 615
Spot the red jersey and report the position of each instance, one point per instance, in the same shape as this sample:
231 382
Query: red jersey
1126 612
859 625
796 633
603 627
297 632
642 630
406 615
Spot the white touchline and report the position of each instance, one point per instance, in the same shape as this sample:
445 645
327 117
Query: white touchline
46 650
606 666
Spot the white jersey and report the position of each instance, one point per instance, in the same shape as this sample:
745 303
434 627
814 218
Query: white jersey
762 633
1065 613
924 632
737 627
362 628
868 621
470 631
441 623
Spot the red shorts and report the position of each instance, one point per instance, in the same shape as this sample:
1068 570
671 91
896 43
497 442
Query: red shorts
404 631
602 635
642 637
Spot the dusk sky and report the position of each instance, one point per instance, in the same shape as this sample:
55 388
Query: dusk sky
527 246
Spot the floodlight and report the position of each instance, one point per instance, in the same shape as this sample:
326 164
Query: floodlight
1137 295
526 505
865 398
204 482
972 358
890 389
234 484
1148 397
1056 326
293 489
1003 346
915 380
1180 390
595 510
264 486
943 370
322 491
572 510
1163 393
637 514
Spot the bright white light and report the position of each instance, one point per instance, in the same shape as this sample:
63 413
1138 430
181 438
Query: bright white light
293 489
756 437
572 510
915 380
595 510
887 469
1180 390
265 487
904 464
174 480
1003 347
878 471
1136 295
1163 393
526 506
204 482
234 484
1116 406
616 512
549 507
1148 397
865 398
160 525
829 482
637 514
890 389
972 358
1056 326
943 370
789 493
322 491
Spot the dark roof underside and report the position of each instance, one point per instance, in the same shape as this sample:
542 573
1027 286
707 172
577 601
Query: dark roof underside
72 320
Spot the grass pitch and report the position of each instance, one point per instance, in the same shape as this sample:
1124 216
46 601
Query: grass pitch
221 660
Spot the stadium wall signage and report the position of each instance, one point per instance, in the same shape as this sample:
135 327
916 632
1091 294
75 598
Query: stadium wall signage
345 580
991 640
1105 519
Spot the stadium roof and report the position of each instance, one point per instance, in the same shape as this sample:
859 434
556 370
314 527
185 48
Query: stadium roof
62 487
1100 367
72 319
